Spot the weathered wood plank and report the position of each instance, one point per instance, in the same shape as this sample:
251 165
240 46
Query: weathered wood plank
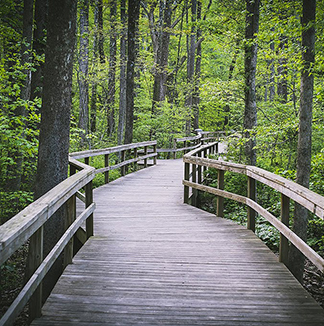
156 261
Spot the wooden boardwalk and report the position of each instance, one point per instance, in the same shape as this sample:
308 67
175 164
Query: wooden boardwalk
155 261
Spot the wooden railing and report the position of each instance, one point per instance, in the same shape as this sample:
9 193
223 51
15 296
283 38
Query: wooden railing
28 224
197 161
185 144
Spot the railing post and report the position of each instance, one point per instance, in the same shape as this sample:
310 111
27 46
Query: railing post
220 200
35 257
145 160
205 156
199 170
154 151
122 169
194 180
174 147
89 201
284 243
186 188
135 156
71 215
251 212
106 165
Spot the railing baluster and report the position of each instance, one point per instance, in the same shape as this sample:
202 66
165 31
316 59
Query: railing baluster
122 169
194 180
186 188
251 212
89 201
220 200
145 160
106 165
71 215
35 258
284 243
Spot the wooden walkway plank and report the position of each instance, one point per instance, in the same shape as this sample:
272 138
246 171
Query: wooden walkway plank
156 261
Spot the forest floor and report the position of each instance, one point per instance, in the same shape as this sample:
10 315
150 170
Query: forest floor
12 278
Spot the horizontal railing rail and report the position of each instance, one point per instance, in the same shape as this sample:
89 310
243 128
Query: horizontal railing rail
28 224
198 161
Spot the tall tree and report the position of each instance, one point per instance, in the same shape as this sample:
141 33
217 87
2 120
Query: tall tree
55 118
296 259
112 68
39 40
14 171
83 75
250 63
133 16
122 77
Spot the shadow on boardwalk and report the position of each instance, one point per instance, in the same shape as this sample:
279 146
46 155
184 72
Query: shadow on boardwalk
156 261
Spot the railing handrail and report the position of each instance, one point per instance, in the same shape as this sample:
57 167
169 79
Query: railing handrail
111 150
305 197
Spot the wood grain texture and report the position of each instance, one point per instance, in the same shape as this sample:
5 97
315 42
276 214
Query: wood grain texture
156 261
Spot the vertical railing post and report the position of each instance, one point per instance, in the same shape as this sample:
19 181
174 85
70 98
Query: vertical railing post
155 152
145 153
89 201
194 180
199 170
220 199
205 154
135 156
35 257
186 188
284 243
106 165
71 216
251 211
122 169
174 147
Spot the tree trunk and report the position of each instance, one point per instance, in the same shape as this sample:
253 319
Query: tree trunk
191 50
84 71
250 63
14 171
41 8
122 78
196 98
53 148
133 16
296 259
162 55
112 69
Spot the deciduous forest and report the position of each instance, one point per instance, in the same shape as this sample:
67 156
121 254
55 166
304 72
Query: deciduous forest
160 69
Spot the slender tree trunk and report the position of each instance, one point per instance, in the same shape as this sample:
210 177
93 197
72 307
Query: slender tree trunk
250 63
53 148
122 78
14 171
41 8
112 69
296 259
191 50
84 70
133 16
196 98
282 88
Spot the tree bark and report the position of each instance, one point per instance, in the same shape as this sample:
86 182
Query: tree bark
250 63
133 16
122 78
84 71
53 148
112 69
296 259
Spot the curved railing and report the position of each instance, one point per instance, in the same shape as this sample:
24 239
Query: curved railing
197 161
28 224
185 144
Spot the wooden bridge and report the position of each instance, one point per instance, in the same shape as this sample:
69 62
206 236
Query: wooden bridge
154 260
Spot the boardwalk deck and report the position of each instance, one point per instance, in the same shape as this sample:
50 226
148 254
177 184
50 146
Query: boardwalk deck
156 261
